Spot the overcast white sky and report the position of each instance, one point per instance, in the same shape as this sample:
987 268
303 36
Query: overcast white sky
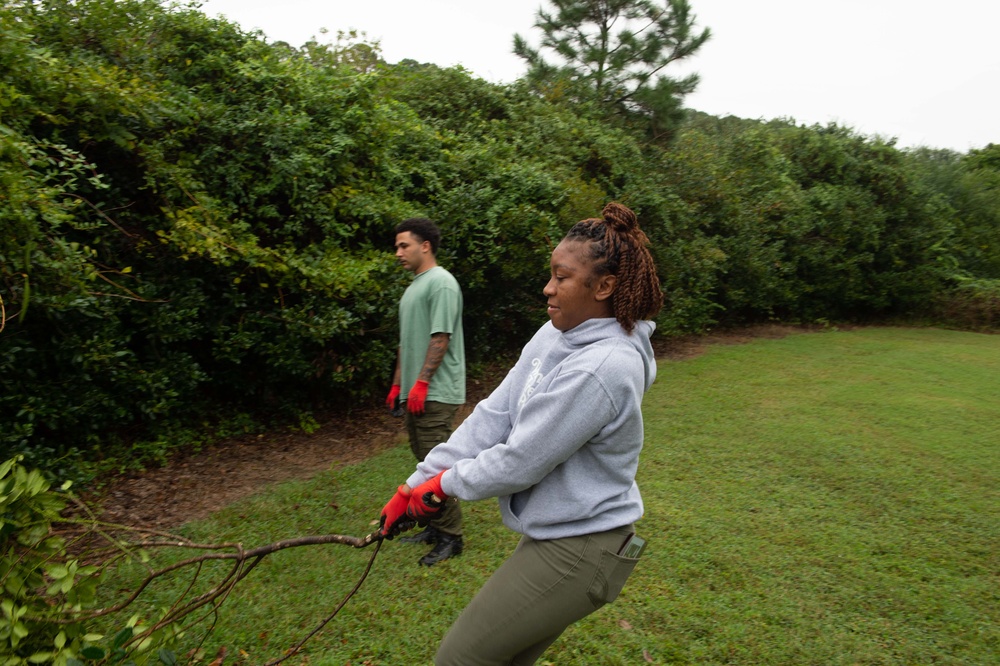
922 71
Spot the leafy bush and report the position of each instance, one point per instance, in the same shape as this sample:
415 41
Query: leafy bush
197 224
971 305
48 592
177 257
969 186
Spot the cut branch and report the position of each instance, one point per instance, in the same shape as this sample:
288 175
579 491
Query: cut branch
118 542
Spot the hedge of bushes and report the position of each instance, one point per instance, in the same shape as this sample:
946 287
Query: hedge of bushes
197 224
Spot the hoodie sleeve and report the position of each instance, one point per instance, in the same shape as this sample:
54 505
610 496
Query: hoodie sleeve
489 423
550 428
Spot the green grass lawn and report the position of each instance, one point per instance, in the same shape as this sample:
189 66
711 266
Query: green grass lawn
827 498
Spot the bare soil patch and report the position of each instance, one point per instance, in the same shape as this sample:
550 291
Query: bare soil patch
192 486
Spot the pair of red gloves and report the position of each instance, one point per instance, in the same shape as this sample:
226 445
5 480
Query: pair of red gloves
412 506
414 401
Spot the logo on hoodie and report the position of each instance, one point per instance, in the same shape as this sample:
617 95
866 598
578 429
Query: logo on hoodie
532 382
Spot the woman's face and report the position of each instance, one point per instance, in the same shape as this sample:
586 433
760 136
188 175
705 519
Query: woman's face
573 294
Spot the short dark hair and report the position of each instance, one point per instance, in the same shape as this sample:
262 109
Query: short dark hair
423 229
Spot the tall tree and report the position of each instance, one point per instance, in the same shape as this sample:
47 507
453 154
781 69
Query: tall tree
613 52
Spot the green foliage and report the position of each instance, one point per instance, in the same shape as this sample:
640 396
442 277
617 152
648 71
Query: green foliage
197 224
48 592
613 52
971 305
875 239
970 186
743 209
142 282
808 223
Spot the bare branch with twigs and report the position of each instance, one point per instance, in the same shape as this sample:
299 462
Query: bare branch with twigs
107 544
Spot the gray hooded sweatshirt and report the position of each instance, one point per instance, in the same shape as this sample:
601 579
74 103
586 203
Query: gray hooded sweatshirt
558 441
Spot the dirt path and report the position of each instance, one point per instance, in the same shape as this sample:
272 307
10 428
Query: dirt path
193 486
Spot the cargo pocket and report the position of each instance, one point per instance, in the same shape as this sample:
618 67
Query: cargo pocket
612 572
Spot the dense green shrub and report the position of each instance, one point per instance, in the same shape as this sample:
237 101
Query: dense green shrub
970 305
198 228
808 223
875 237
970 186
197 224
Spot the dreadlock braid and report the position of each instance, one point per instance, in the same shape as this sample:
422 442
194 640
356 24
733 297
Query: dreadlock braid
619 247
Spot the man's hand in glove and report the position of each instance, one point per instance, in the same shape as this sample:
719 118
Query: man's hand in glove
426 500
418 395
390 401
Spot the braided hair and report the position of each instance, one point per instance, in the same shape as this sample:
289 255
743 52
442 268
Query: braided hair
619 247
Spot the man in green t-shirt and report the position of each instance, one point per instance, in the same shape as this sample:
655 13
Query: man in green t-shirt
430 367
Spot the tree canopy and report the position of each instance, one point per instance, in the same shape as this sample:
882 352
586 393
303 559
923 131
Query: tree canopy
615 52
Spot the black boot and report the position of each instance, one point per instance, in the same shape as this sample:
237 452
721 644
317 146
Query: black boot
429 535
448 545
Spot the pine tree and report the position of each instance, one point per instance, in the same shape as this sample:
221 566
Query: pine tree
613 52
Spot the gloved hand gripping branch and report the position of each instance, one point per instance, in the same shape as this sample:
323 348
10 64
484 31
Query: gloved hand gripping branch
426 500
394 519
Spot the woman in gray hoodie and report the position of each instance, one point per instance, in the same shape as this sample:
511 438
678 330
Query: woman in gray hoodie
558 443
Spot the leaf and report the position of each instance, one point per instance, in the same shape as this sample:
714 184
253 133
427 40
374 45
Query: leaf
121 637
167 657
7 464
648 657
92 652
58 571
220 656
624 624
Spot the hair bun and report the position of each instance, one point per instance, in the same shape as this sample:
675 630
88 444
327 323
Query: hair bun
620 218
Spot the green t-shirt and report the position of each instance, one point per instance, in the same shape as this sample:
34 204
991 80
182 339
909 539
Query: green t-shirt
432 304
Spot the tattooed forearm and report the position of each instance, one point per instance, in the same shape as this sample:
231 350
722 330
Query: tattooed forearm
435 354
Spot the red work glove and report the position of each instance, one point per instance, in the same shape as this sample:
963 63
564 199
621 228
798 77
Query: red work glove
426 500
390 402
394 519
415 400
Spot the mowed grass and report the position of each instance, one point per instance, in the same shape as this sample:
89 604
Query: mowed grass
826 498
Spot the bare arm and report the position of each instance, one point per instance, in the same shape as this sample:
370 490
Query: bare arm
435 355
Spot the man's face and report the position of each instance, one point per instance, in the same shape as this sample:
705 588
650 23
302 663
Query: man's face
411 251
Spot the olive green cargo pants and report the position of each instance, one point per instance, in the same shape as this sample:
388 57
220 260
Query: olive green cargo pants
543 587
